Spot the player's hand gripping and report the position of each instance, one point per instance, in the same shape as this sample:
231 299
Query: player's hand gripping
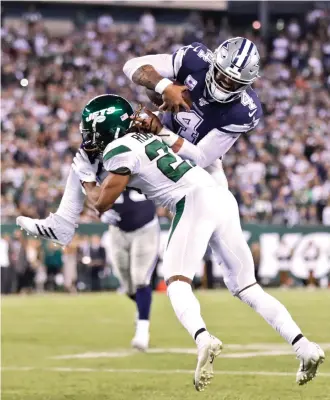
83 168
172 99
151 124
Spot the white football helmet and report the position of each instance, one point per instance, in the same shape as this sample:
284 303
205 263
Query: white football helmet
234 67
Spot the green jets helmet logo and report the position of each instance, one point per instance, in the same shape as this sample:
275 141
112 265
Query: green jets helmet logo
108 111
104 119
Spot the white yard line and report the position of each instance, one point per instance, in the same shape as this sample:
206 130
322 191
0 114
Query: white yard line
237 351
154 371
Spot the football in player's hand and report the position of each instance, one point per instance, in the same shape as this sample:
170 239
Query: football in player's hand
157 99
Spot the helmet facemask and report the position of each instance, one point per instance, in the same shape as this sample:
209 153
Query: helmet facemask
225 80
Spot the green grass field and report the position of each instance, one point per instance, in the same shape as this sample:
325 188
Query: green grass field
92 333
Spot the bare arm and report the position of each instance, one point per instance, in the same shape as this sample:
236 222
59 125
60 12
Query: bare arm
159 66
103 197
154 73
147 76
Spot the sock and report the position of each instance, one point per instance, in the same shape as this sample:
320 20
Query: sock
300 346
142 327
186 307
143 302
272 311
72 202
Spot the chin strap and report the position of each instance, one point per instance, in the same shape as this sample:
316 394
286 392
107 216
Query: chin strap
134 126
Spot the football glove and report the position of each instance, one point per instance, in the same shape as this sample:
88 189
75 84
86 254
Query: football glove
110 217
83 168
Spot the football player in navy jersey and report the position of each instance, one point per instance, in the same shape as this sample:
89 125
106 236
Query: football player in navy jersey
134 245
224 106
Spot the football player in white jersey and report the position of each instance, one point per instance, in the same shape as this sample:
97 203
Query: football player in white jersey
204 213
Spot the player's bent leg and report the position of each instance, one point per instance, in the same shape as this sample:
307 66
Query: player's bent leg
72 202
191 230
143 256
53 228
230 244
274 312
59 227
187 309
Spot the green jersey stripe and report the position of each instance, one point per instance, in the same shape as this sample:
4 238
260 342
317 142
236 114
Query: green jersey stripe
114 152
178 214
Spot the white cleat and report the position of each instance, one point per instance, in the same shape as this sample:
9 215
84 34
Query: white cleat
310 360
53 228
140 342
205 359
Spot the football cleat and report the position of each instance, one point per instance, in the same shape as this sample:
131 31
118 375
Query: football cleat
206 354
53 228
141 339
310 360
140 342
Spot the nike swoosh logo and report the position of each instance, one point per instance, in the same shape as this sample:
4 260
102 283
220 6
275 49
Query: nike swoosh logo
252 113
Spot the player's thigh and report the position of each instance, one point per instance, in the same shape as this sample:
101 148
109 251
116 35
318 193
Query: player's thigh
144 253
217 173
188 238
120 257
231 249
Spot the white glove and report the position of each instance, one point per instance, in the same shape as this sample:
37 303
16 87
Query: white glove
110 217
83 168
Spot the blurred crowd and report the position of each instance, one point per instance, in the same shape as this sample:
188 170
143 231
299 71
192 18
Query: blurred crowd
279 173
29 265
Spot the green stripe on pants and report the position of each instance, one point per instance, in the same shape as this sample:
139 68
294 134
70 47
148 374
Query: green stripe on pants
178 214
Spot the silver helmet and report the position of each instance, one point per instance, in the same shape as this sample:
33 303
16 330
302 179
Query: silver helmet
234 67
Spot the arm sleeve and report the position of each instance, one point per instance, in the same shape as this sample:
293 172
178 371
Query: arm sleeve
213 146
161 62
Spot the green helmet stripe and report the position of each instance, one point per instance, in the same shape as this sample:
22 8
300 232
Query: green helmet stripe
114 152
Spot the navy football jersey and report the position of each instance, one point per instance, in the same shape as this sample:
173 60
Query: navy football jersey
134 209
191 63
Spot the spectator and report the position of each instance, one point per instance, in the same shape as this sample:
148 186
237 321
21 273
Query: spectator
70 266
5 265
326 214
18 259
148 24
97 261
54 264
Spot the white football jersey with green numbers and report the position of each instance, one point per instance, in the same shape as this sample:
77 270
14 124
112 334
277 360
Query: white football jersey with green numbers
155 169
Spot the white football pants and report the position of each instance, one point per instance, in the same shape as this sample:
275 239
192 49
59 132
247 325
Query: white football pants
209 215
134 254
217 173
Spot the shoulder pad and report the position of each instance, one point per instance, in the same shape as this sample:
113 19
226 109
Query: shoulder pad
191 58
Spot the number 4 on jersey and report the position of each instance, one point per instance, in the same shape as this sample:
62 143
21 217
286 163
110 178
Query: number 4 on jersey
189 122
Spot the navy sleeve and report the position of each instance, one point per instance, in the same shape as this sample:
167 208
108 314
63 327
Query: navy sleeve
191 58
244 116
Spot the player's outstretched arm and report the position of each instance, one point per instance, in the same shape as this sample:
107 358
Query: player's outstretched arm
213 146
153 72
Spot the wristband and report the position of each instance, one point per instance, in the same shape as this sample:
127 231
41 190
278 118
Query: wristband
162 85
168 137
